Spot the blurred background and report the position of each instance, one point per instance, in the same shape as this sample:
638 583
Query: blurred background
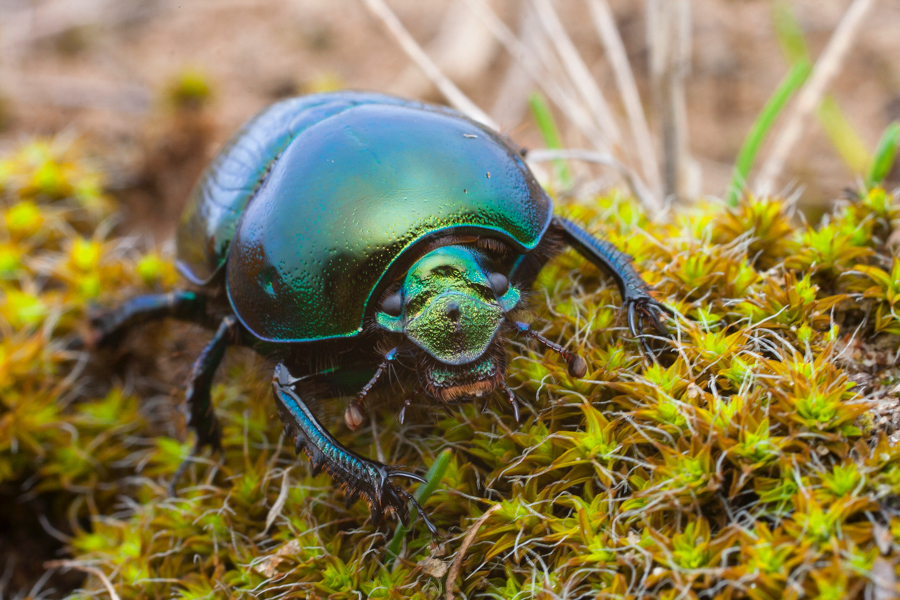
154 87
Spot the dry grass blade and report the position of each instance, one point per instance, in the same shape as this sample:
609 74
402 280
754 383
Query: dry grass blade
463 49
461 553
606 28
578 72
823 72
279 502
668 28
511 103
412 48
637 187
74 564
536 70
885 580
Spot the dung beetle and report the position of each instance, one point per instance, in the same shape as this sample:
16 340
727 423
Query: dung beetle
344 235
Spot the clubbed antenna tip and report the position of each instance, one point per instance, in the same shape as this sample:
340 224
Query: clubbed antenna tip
577 365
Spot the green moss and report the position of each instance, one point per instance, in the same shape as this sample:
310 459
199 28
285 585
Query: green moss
746 465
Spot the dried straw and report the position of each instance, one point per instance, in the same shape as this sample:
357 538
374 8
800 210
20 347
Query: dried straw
415 52
606 28
826 67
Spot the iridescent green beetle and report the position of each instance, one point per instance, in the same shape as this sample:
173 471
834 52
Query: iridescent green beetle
345 234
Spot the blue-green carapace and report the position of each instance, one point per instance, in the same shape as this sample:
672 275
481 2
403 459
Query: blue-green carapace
350 234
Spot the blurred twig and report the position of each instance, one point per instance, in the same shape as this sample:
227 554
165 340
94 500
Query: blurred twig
578 72
615 51
826 67
415 52
540 71
511 104
669 38
72 564
634 182
463 49
533 64
837 126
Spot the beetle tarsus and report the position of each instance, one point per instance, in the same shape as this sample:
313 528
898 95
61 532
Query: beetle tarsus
421 512
643 307
396 473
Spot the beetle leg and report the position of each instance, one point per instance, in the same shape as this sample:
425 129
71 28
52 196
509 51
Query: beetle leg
358 476
634 290
109 326
197 404
353 416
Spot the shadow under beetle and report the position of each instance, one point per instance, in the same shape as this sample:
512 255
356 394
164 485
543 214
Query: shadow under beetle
346 234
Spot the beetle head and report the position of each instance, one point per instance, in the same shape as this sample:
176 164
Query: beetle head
450 304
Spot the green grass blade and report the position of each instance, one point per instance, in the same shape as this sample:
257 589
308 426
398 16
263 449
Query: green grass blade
789 33
786 89
842 135
884 155
549 131
432 479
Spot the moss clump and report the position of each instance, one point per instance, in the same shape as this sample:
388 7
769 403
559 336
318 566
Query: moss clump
189 90
754 462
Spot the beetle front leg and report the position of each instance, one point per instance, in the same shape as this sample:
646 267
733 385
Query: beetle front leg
636 298
357 475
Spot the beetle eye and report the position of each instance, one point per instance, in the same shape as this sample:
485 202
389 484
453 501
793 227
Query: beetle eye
393 305
499 283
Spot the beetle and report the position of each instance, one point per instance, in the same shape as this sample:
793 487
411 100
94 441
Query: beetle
347 234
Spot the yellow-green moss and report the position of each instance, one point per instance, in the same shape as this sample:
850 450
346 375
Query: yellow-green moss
751 465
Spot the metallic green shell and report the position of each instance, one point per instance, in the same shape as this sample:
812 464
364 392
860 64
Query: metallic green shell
208 223
346 196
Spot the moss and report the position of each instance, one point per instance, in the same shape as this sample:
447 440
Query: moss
749 464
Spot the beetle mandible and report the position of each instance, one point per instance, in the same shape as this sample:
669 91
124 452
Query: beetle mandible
338 233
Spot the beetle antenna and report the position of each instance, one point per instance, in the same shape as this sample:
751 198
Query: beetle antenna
577 365
354 414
